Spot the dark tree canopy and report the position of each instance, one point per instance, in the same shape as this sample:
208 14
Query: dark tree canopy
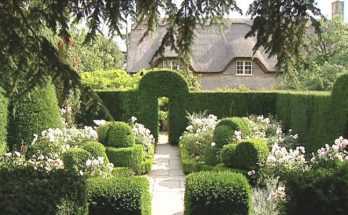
27 56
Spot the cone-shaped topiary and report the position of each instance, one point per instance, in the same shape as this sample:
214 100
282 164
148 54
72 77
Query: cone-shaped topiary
246 155
120 135
225 129
32 113
75 159
3 121
96 149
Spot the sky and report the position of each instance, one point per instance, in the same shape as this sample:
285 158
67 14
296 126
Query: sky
324 5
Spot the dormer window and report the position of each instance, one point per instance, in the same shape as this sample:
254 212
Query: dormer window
170 63
244 68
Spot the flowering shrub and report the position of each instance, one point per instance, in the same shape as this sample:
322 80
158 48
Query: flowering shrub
338 151
201 123
142 134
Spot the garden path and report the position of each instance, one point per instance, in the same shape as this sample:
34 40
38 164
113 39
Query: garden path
167 180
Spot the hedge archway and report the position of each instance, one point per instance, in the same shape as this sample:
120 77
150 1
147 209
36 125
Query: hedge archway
168 84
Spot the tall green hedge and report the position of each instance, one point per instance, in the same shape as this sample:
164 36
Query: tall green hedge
158 84
317 117
32 113
3 121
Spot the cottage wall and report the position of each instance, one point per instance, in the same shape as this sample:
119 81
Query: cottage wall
229 79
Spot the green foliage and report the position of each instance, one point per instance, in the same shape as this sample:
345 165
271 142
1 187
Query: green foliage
119 195
323 58
122 172
27 191
75 159
3 122
132 157
245 156
32 113
103 132
119 135
111 79
320 191
95 149
222 192
224 131
306 113
157 84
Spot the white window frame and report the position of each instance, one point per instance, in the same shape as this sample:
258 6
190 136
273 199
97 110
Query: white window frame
172 63
242 66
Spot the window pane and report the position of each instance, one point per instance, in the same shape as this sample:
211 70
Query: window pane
239 68
248 68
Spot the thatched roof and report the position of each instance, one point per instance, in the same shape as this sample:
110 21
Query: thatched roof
214 47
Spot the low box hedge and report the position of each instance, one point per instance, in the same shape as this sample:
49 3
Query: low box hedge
320 191
27 191
119 195
132 157
223 192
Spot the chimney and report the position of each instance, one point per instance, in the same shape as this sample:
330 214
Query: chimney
338 9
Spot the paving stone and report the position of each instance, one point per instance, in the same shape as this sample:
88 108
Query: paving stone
167 180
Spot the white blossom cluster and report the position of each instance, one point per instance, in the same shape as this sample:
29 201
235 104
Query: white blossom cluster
282 158
199 123
142 133
338 151
68 135
97 167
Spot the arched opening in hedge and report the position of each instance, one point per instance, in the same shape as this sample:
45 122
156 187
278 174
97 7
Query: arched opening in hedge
172 85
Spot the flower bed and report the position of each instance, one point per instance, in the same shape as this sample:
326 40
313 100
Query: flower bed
274 162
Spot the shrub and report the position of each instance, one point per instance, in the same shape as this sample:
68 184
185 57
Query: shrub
103 133
246 155
75 159
32 113
95 149
122 172
131 157
225 130
28 191
320 191
3 122
119 195
222 192
120 135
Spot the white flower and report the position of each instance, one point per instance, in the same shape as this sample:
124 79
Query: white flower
213 144
17 154
99 122
251 173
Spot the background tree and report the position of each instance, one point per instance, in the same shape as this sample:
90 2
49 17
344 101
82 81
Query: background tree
324 57
26 56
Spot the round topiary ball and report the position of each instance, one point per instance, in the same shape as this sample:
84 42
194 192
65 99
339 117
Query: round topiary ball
225 129
96 149
120 135
75 159
246 155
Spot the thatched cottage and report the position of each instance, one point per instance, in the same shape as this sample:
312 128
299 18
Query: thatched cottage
221 56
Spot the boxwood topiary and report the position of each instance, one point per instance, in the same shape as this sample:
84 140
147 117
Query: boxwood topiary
3 121
224 130
132 157
95 148
119 195
75 159
246 155
221 192
32 113
120 135
103 132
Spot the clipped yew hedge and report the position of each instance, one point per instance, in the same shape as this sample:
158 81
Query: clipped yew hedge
32 113
318 117
3 121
